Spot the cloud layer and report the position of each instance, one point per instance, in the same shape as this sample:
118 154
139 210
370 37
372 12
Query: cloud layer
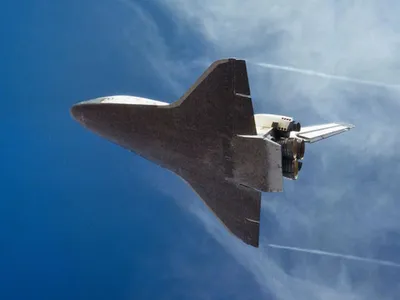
345 200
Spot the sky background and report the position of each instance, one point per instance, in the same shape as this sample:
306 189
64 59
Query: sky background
81 218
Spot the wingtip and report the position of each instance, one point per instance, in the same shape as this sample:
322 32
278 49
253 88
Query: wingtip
348 125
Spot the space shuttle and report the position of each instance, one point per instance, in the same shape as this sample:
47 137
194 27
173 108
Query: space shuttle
212 139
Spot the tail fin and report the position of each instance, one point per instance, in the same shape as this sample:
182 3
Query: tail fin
221 97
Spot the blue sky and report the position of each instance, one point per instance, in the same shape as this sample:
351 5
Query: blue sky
82 218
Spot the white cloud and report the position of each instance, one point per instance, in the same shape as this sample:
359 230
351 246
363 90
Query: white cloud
356 39
346 196
266 271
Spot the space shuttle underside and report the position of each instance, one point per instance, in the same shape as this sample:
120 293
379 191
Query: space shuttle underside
211 138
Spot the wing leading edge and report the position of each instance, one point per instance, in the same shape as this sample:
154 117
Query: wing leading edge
315 133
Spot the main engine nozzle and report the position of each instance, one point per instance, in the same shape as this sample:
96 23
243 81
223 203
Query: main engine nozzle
291 168
301 148
292 148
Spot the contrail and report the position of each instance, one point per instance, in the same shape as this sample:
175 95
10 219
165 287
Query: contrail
328 76
345 256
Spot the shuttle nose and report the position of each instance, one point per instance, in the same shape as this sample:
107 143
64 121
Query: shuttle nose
75 112
78 112
81 110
